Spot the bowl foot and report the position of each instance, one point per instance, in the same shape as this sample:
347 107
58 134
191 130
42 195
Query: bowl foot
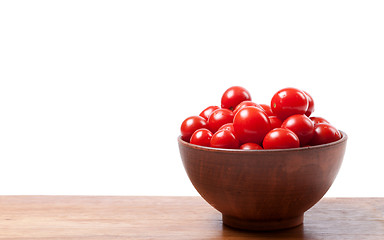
263 225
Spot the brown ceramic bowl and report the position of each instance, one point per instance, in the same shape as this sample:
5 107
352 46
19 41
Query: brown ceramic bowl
263 189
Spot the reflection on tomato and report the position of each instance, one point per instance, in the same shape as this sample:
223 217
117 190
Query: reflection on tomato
325 133
224 139
201 137
250 146
190 125
218 118
288 102
234 96
280 138
206 112
251 124
302 126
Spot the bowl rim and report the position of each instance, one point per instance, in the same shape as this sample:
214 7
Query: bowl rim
343 139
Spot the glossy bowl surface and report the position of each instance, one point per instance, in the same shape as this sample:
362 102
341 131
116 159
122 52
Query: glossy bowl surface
263 189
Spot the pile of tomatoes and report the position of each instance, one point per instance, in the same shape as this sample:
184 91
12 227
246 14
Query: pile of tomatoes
241 123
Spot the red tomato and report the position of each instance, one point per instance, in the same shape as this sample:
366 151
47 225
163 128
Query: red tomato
281 138
224 139
288 102
311 104
234 96
251 124
218 118
275 122
250 146
325 133
246 104
201 137
206 112
190 125
302 126
267 109
317 120
229 127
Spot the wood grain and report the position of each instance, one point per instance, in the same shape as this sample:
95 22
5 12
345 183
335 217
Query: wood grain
129 217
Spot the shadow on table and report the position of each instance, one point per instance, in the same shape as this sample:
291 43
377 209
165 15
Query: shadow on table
291 233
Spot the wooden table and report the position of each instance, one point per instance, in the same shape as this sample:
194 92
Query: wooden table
118 217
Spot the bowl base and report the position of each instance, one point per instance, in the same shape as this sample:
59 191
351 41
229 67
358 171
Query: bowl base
262 225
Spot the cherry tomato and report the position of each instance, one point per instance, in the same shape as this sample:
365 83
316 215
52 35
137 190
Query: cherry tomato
302 126
201 137
267 109
289 101
275 122
246 104
250 146
281 138
234 96
325 133
317 120
206 112
311 104
224 139
251 124
229 127
190 125
218 118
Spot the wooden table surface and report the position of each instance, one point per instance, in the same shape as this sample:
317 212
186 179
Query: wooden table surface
129 217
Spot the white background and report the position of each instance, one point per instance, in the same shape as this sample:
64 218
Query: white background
92 93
